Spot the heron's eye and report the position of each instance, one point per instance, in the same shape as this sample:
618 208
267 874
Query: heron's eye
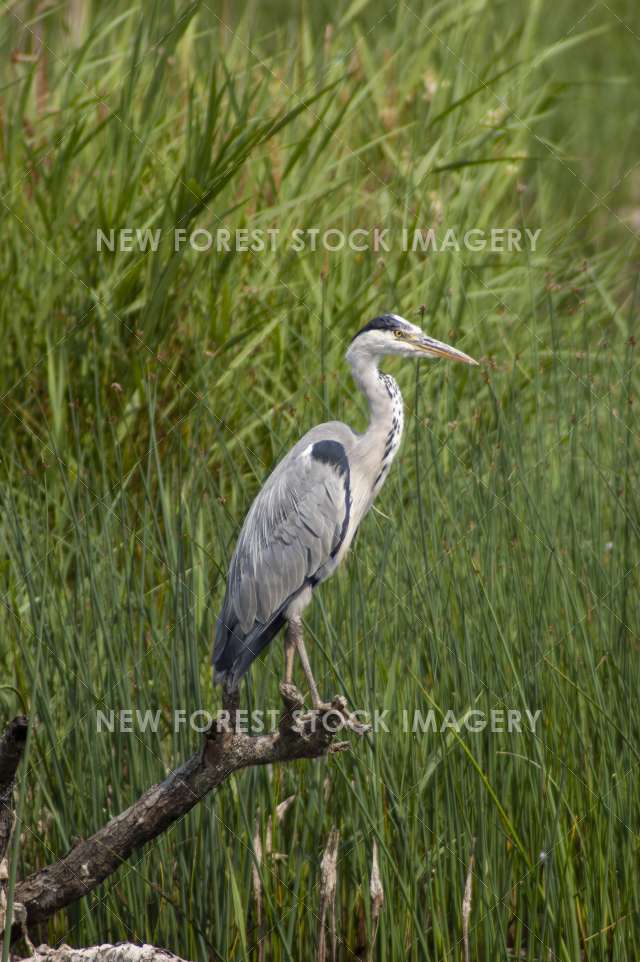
398 333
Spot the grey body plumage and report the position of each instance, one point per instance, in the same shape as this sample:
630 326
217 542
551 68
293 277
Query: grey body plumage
305 517
288 545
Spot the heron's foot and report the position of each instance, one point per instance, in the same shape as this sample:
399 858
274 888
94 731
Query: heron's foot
335 716
331 716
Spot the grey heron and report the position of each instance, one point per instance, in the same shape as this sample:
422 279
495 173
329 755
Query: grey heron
302 522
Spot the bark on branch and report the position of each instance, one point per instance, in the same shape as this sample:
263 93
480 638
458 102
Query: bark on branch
91 860
125 952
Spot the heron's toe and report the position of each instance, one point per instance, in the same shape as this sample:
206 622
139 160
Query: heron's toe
338 716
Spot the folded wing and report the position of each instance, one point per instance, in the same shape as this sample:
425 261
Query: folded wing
289 539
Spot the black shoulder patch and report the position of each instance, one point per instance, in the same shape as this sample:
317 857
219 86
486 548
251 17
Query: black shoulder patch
385 322
331 452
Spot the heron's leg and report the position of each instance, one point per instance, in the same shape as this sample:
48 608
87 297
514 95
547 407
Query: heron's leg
295 628
338 706
289 653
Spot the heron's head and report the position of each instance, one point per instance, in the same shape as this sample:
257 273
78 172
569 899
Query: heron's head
391 334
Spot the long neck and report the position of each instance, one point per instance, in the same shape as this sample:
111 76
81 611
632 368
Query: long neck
381 440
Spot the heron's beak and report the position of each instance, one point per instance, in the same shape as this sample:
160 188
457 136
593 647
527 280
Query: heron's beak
428 345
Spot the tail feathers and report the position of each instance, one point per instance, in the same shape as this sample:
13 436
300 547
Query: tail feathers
234 652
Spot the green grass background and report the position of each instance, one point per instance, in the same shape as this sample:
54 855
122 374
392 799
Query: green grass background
146 396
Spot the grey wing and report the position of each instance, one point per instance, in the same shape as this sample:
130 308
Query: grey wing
291 535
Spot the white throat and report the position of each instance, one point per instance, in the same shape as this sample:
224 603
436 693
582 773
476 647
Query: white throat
380 442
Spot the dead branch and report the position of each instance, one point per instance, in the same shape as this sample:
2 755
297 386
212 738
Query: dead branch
91 860
12 745
125 952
